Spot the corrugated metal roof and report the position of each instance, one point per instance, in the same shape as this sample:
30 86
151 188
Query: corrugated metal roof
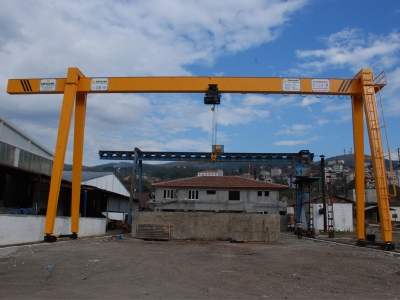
67 175
102 180
26 137
220 182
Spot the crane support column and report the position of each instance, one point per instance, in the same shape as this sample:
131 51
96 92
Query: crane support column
79 133
358 137
140 185
378 159
71 87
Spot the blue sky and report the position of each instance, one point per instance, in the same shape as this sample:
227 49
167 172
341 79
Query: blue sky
294 38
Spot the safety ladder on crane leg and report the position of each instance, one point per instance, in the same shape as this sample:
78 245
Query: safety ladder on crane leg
378 160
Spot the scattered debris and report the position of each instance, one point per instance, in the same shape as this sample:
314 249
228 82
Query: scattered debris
49 267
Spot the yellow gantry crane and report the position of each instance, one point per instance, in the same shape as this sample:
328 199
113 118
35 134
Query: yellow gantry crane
75 88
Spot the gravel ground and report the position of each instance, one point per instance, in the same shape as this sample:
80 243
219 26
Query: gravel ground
129 268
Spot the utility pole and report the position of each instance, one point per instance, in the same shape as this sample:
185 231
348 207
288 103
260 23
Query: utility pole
323 190
344 154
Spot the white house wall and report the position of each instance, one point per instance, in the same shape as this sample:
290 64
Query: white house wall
249 201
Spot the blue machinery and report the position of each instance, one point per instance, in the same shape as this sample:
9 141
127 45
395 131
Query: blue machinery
303 181
301 163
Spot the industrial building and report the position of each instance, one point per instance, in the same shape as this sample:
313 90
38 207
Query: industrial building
25 173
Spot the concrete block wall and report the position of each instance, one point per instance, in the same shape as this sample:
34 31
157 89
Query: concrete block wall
19 229
214 226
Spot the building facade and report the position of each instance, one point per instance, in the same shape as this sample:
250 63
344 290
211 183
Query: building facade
219 194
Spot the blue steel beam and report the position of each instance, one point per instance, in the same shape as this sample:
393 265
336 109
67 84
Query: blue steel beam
203 156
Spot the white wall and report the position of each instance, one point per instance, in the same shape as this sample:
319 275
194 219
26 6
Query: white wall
370 195
342 217
18 229
395 211
249 201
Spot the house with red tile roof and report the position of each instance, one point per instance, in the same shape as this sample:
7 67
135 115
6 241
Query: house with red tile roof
219 194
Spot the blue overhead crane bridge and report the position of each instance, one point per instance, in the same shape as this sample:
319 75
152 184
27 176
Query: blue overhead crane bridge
301 164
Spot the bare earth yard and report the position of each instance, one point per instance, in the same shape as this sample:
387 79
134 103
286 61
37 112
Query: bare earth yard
128 268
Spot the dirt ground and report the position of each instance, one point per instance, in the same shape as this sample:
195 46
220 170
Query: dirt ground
106 267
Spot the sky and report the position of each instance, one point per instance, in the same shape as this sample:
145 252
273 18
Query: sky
252 38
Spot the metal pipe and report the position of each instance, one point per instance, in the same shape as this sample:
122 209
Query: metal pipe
140 186
323 190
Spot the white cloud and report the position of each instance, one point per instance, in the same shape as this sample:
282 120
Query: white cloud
346 106
42 39
353 49
284 101
322 122
131 37
307 101
391 92
296 129
291 143
253 100
297 142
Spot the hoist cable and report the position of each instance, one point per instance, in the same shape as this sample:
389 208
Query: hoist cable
214 125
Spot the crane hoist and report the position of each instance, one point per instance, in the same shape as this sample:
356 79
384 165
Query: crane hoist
213 97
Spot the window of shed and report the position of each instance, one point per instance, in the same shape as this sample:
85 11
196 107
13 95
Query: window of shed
211 192
266 193
259 193
234 195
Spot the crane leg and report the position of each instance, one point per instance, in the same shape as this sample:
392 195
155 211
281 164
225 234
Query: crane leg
79 131
67 108
358 137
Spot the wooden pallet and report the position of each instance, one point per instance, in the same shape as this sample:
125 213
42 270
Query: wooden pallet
154 232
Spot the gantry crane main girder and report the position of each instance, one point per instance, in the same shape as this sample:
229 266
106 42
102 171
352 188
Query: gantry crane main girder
75 88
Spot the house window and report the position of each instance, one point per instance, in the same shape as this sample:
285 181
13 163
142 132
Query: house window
234 195
211 192
260 193
168 194
193 195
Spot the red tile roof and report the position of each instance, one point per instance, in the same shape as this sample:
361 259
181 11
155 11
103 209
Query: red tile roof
220 182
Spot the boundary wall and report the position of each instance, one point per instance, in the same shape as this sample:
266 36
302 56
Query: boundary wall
20 229
214 226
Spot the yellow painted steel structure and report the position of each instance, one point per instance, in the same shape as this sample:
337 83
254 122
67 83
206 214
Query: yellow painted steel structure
76 86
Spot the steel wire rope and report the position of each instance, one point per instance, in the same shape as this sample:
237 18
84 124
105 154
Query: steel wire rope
214 125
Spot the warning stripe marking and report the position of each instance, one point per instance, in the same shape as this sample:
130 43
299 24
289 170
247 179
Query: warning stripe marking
26 85
344 86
